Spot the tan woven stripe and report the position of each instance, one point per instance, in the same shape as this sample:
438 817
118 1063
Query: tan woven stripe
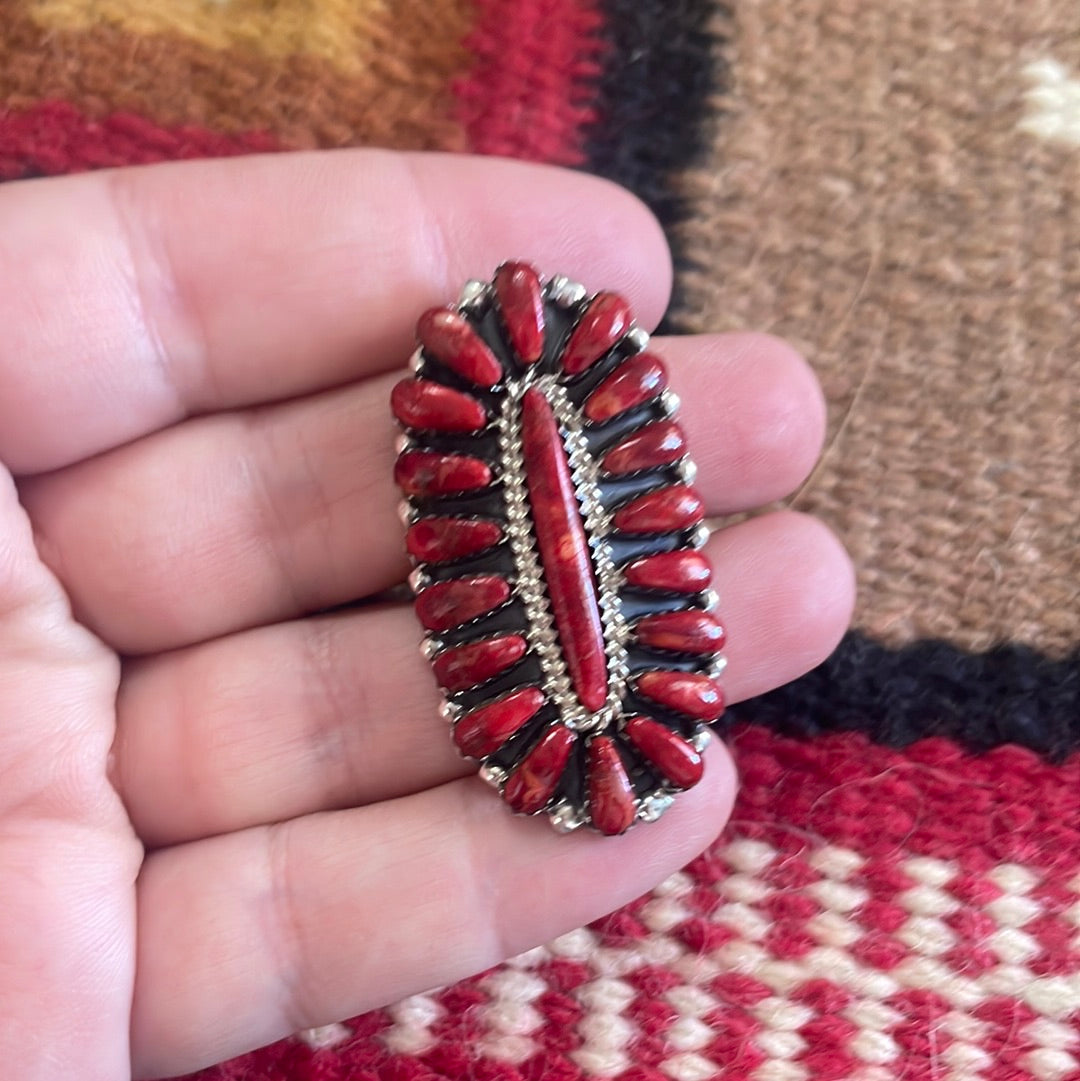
872 195
401 98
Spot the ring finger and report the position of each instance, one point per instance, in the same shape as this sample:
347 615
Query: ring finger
330 712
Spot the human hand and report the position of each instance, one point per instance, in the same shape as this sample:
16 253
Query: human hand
224 817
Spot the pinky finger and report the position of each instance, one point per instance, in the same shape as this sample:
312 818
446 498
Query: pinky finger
247 937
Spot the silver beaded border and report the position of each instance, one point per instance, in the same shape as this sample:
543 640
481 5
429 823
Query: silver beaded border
598 527
541 633
540 630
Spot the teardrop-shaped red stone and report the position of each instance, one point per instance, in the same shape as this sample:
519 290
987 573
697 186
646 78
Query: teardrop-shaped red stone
681 571
605 321
485 730
690 693
672 755
534 781
450 338
439 540
517 287
474 663
633 382
611 796
425 473
677 506
421 403
654 445
449 604
688 631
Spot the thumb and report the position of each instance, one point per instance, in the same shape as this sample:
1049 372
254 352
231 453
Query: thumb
67 857
54 678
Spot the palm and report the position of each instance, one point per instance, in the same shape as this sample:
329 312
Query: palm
253 822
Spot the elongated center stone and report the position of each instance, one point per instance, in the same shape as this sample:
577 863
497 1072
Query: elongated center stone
564 550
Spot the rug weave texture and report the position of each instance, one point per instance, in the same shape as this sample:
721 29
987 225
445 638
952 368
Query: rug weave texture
893 185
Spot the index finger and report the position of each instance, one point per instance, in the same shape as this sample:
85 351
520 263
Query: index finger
134 298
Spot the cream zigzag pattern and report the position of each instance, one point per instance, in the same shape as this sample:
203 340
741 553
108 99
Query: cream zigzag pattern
966 1042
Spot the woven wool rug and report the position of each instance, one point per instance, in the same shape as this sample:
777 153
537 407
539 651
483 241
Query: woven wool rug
894 185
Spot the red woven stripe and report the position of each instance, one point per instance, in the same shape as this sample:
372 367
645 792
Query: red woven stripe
532 91
931 799
54 137
835 844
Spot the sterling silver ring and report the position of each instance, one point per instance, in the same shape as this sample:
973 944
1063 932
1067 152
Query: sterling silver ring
556 537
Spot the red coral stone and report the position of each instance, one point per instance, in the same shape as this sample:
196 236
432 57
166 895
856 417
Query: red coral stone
533 783
678 572
424 473
690 693
450 338
683 632
654 445
605 321
466 666
633 382
420 403
517 287
677 506
564 550
439 540
485 730
448 604
672 755
611 796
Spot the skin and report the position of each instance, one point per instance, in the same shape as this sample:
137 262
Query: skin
224 817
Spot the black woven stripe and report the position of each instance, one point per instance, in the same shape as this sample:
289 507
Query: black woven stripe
1011 694
662 74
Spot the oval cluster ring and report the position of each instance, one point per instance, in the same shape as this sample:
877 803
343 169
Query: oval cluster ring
556 537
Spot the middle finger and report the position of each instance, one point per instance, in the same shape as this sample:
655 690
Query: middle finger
240 519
